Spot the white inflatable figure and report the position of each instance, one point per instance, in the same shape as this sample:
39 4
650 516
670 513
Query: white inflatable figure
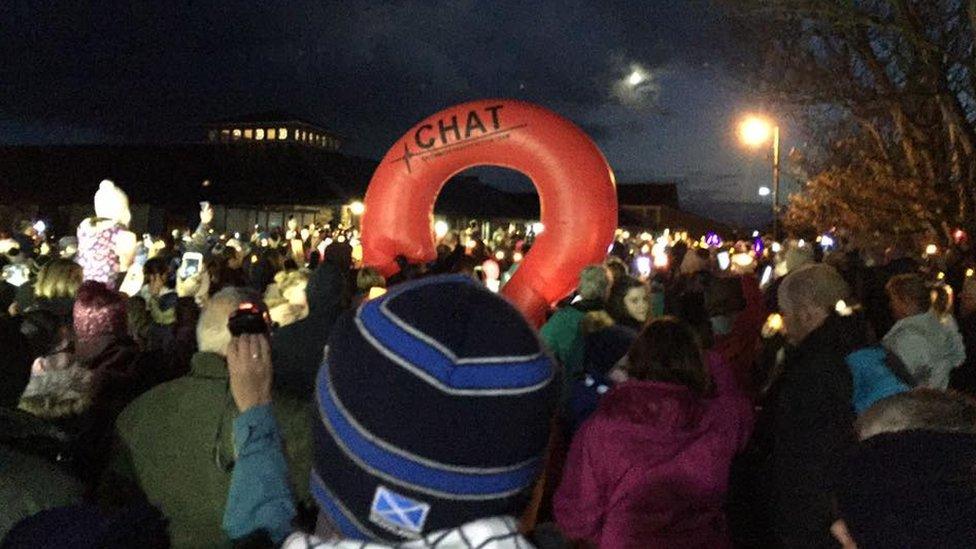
106 247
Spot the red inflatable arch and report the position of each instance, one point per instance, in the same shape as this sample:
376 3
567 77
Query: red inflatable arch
576 190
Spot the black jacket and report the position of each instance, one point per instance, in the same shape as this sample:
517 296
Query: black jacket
296 349
813 419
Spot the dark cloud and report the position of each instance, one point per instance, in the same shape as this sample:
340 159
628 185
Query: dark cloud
149 69
368 67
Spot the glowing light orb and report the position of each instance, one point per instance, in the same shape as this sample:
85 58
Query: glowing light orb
441 228
755 131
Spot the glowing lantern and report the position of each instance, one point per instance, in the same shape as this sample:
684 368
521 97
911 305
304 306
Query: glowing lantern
712 240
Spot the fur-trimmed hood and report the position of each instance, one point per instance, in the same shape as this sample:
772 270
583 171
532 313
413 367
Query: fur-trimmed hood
57 394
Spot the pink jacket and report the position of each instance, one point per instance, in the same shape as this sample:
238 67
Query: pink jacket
651 467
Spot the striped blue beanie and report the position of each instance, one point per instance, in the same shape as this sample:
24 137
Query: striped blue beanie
434 408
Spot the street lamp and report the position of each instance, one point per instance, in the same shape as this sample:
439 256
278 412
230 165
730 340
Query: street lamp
755 131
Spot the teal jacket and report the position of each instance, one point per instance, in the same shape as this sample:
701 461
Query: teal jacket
562 336
259 498
873 377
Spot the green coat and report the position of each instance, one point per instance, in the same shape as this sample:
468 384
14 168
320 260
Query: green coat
176 443
562 336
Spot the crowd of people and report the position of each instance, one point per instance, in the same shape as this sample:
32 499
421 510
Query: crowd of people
267 389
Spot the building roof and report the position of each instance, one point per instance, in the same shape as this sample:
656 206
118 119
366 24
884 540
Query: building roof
175 174
269 117
291 174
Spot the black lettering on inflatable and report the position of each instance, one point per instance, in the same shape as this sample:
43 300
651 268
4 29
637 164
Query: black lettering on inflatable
494 115
423 144
473 122
444 129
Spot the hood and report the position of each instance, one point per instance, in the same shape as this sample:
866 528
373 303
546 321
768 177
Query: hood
661 411
58 394
926 325
944 342
324 290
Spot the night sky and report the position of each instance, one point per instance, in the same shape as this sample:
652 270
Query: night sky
369 69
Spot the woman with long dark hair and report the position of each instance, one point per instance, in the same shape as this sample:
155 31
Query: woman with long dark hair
651 467
630 303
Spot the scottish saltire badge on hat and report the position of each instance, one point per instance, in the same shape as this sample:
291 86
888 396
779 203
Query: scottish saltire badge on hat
397 513
434 404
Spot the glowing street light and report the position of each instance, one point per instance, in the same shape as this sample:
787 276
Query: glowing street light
357 208
764 191
756 131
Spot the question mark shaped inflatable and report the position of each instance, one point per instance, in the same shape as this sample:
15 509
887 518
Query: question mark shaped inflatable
577 193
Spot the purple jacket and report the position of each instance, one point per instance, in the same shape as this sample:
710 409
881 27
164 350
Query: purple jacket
651 467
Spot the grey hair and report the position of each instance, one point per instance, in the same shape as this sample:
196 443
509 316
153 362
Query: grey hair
213 335
594 282
921 409
818 285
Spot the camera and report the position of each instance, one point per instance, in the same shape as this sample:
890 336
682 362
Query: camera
249 318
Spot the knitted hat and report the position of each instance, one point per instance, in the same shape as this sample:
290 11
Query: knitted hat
112 203
99 311
911 489
435 403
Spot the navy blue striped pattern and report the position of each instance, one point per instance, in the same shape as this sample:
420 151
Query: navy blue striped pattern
338 517
483 373
446 482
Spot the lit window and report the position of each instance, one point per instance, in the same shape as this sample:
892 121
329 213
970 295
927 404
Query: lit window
248 133
225 135
282 133
237 133
212 135
304 136
259 134
271 133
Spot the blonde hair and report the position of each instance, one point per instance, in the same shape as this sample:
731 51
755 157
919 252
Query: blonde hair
274 295
59 278
369 277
